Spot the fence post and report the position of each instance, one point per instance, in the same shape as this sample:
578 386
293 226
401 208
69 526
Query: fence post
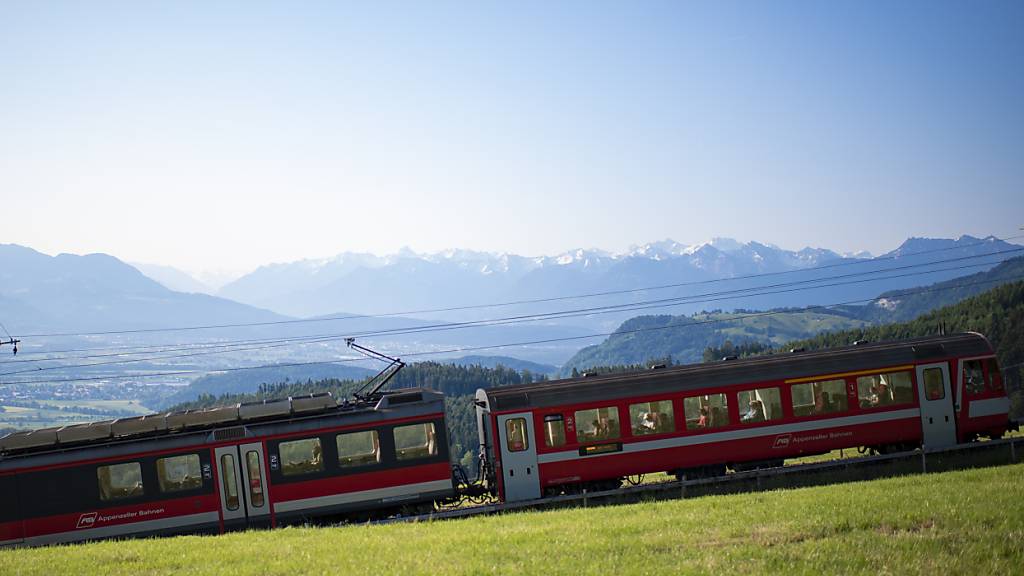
924 461
1013 451
584 497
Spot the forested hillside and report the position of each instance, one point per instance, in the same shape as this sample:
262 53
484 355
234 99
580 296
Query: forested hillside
684 338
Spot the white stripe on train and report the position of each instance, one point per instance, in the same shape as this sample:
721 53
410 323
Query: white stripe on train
646 445
211 518
394 493
989 407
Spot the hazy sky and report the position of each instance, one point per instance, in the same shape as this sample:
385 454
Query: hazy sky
234 134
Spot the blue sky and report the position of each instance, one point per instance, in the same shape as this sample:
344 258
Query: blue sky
233 135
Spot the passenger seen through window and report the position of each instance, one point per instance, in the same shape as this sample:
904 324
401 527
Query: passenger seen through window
597 424
814 398
882 390
760 405
652 417
974 378
704 412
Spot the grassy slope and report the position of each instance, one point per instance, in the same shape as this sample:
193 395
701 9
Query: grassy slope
969 522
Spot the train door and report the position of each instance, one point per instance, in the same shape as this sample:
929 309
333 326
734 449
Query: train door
518 456
938 424
242 481
254 479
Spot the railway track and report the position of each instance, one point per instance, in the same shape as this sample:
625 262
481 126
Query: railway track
972 455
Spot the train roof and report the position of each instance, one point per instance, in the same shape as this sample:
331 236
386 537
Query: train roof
186 427
729 372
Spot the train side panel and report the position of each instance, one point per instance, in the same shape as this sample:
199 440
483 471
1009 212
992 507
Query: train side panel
11 531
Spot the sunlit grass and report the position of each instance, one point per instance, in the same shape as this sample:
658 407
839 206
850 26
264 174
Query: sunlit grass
968 522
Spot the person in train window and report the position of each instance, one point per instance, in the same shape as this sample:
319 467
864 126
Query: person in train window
702 422
755 414
881 395
820 403
517 438
650 421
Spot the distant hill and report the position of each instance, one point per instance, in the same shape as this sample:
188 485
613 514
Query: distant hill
173 279
249 381
895 306
506 361
645 337
97 292
684 338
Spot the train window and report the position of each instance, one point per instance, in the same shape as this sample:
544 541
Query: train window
884 389
815 398
415 441
301 456
119 481
652 417
708 411
358 448
597 424
995 379
252 463
760 405
933 384
179 473
227 470
554 430
515 435
974 379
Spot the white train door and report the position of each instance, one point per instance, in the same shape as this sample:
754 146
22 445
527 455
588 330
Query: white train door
242 484
938 423
518 456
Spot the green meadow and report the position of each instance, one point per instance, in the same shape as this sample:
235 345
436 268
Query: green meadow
965 522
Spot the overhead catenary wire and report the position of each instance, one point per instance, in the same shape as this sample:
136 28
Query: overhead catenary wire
518 302
738 318
662 303
646 304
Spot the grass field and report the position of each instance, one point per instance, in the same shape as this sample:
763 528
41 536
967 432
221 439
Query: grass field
969 522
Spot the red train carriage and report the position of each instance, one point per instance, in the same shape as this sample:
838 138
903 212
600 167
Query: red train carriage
227 468
697 420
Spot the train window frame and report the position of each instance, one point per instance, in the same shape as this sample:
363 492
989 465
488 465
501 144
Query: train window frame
305 467
931 392
412 452
646 419
760 409
358 459
894 380
817 392
194 464
106 488
994 377
516 437
254 467
613 427
229 479
975 384
550 437
713 419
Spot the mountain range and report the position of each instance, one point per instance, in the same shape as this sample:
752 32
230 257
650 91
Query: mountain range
410 282
98 292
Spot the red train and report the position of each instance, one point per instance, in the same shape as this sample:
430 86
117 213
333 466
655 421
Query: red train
693 421
285 461
250 465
